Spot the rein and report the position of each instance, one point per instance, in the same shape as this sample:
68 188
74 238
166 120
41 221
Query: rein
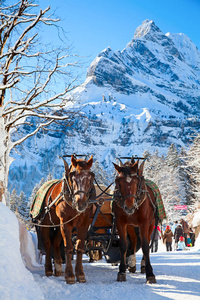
137 197
62 196
103 191
40 225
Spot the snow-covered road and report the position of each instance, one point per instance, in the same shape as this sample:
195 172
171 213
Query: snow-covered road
177 273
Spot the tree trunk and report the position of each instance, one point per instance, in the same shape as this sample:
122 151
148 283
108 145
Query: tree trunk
5 160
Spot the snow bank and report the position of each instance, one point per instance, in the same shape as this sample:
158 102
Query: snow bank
19 282
196 219
28 248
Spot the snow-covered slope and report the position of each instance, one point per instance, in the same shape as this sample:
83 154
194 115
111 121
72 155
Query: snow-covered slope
143 97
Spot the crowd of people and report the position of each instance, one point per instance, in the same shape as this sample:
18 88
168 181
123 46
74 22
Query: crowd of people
182 234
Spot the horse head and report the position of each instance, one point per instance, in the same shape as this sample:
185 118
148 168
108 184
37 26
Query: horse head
129 183
81 181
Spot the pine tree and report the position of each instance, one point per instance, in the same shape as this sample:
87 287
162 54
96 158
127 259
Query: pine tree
186 179
193 168
100 174
158 170
172 156
14 201
23 208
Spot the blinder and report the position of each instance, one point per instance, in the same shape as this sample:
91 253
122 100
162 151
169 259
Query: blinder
90 194
121 199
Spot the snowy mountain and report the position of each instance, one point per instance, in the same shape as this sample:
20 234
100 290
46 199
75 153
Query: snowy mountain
143 97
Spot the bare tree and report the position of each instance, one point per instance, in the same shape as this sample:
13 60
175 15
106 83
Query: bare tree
30 77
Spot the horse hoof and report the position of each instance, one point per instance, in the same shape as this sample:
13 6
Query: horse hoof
58 274
151 279
49 273
143 270
70 280
81 278
121 277
58 269
132 269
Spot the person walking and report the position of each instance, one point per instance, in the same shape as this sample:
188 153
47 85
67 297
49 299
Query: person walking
154 247
192 235
167 237
185 229
177 233
174 226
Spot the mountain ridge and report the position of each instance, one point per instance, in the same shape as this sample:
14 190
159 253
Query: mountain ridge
143 97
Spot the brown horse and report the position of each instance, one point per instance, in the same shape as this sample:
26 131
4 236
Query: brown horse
71 209
134 205
104 223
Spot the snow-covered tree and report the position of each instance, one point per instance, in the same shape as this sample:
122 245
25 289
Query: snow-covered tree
100 175
193 169
158 170
35 189
31 74
23 207
172 156
14 201
186 180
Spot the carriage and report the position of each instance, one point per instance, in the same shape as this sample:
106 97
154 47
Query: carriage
97 232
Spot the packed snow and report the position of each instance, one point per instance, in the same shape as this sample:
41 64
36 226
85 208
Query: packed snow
22 274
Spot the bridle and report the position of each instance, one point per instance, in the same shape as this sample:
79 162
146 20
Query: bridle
141 189
71 193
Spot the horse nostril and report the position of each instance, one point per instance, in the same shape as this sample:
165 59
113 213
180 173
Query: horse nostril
82 206
129 210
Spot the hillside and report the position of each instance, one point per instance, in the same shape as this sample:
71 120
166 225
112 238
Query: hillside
143 97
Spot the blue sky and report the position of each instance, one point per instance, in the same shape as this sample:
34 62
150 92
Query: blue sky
93 25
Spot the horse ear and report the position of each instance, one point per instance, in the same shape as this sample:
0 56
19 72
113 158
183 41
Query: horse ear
134 167
141 168
66 167
90 162
117 168
121 164
73 161
132 160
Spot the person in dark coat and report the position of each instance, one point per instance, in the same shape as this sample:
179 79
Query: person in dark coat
154 247
192 235
177 233
185 228
167 237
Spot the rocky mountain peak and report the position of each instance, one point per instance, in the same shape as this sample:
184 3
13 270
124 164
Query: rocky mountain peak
147 28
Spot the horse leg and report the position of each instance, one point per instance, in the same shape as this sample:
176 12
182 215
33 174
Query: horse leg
47 245
56 250
145 248
95 255
122 245
142 265
133 241
91 252
81 234
66 234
